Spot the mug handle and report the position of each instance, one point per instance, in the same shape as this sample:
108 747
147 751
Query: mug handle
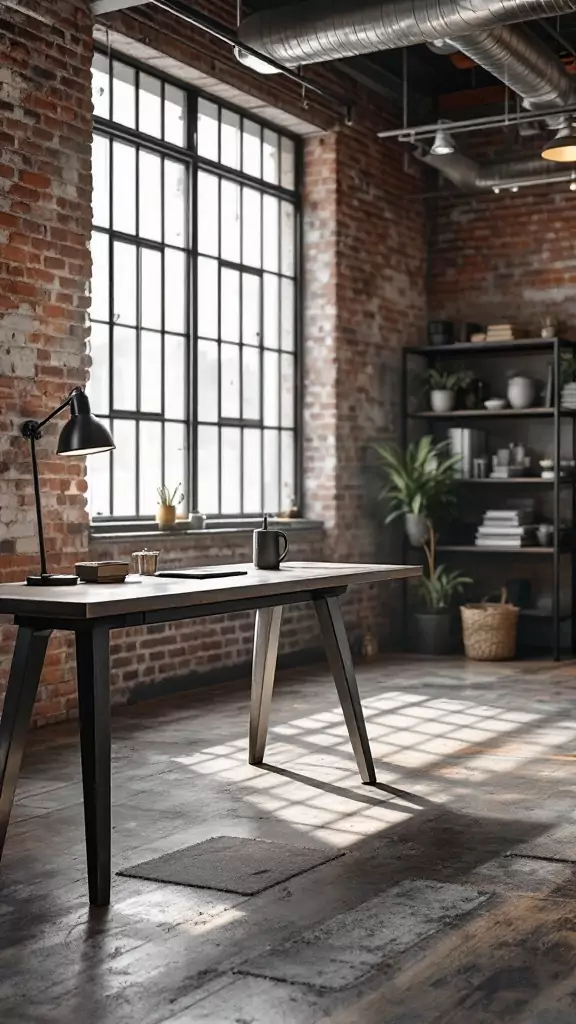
285 552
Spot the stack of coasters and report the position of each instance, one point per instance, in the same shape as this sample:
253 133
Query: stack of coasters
102 572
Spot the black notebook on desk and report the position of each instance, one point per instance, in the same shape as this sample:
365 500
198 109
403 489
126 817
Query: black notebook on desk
200 573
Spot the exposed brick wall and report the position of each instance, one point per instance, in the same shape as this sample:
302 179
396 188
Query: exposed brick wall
507 256
364 250
45 223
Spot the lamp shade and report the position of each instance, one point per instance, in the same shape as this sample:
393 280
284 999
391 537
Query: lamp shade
562 148
83 434
443 143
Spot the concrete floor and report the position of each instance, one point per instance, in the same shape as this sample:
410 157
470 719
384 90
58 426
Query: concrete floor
473 761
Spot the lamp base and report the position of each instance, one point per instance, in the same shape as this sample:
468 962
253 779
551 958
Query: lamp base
52 579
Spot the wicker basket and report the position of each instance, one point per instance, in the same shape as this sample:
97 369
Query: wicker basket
489 630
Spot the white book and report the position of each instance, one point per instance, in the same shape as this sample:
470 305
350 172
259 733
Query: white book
513 520
498 542
497 531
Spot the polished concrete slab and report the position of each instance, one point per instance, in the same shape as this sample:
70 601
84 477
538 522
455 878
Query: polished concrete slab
474 762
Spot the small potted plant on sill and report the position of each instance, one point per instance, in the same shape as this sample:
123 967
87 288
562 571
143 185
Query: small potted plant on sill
438 588
169 500
444 387
419 484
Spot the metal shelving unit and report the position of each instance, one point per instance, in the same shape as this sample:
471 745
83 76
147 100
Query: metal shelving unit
554 416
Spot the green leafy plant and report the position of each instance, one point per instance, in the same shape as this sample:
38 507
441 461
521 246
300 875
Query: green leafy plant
567 367
441 586
419 481
168 497
438 380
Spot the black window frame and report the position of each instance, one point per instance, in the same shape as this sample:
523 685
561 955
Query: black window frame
196 163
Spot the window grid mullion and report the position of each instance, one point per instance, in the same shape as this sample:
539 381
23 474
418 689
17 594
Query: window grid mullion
138 316
279 366
191 291
111 304
262 340
163 299
241 348
219 329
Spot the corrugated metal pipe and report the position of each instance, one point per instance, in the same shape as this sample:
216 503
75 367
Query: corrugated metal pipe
331 29
525 64
469 176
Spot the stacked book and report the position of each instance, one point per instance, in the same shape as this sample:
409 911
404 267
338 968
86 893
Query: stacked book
505 528
502 332
103 572
568 400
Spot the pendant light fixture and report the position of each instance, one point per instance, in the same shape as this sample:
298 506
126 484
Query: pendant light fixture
250 60
562 148
254 63
443 143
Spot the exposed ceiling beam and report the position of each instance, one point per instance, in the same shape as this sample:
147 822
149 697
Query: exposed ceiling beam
107 6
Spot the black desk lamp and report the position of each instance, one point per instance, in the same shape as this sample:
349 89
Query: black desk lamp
83 434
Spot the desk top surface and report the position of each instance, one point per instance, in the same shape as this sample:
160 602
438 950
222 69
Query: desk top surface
147 593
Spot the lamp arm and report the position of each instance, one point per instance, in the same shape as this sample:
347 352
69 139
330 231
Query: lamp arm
65 403
41 545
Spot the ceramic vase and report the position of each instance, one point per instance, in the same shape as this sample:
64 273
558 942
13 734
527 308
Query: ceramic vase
166 516
521 392
196 520
417 529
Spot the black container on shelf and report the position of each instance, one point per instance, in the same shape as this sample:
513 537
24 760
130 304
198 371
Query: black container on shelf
440 332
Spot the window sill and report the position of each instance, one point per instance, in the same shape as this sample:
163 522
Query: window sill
125 529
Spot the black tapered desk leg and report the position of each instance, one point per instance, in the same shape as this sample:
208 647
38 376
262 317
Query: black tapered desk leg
27 662
93 665
340 660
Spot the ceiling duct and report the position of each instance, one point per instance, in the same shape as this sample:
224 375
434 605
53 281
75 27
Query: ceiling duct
469 176
330 29
526 65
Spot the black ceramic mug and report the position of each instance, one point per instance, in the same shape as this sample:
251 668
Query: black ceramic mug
267 552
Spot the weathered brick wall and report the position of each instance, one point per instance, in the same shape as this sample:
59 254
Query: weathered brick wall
365 247
45 223
505 256
363 251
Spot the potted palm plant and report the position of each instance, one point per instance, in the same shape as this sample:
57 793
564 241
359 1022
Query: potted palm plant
419 483
443 388
420 488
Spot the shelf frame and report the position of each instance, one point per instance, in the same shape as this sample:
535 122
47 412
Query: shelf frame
555 415
482 347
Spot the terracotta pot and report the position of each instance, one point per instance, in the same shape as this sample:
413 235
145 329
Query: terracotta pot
166 516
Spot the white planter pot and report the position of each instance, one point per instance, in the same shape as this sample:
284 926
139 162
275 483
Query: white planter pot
442 401
521 392
417 529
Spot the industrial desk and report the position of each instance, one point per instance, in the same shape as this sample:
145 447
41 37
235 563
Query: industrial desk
90 611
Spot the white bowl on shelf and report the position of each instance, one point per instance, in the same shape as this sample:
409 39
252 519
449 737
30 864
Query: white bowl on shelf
495 404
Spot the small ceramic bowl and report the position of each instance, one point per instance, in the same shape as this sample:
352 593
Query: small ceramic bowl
495 404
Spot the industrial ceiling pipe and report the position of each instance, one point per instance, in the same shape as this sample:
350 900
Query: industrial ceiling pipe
470 176
525 64
331 29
